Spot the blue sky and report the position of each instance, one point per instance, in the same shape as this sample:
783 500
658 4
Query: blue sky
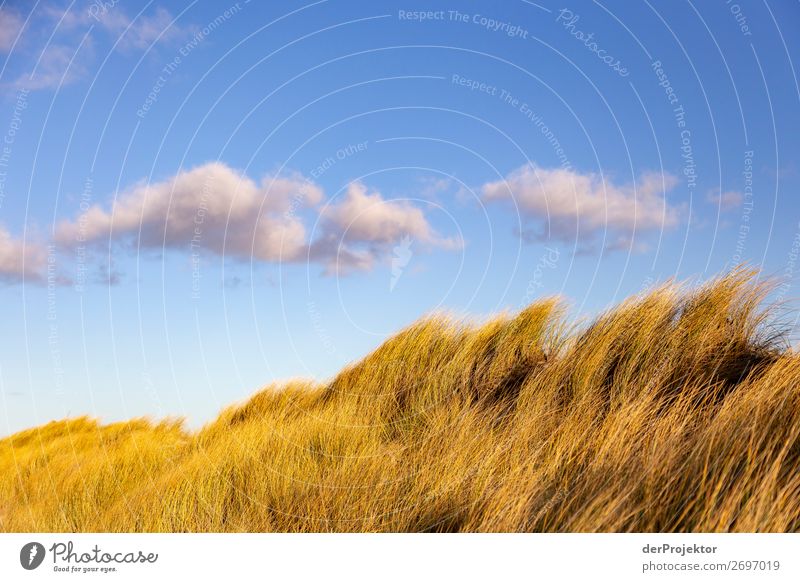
197 199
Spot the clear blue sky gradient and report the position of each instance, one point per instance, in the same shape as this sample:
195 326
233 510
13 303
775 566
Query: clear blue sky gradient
442 107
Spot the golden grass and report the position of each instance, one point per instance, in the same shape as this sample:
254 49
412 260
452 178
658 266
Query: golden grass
676 411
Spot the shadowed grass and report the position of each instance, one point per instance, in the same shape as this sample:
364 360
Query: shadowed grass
675 411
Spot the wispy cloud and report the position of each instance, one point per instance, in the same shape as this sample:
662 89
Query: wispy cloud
432 186
726 201
64 50
570 206
133 33
10 26
58 65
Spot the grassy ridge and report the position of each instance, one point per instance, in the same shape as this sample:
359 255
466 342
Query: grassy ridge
675 411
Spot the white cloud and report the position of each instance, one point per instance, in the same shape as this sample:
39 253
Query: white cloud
726 201
20 261
570 206
10 26
212 208
216 209
362 216
363 227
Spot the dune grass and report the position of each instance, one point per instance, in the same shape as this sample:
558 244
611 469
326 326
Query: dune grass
678 410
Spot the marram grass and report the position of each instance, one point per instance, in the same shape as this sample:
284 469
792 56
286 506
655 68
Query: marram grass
676 411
